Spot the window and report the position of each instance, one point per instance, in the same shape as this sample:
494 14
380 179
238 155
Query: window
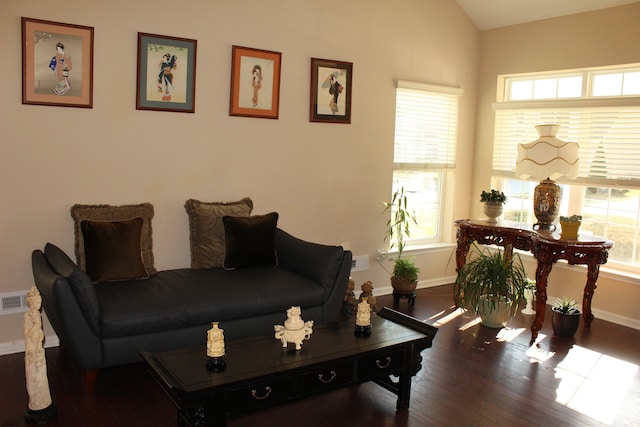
600 110
424 150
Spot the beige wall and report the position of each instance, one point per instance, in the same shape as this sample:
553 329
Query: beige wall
605 37
327 181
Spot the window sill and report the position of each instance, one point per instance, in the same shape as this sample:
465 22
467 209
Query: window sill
428 248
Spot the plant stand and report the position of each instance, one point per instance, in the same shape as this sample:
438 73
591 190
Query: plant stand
528 310
411 296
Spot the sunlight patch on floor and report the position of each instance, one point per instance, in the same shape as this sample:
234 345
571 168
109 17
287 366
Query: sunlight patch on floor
444 319
593 383
509 334
538 355
470 324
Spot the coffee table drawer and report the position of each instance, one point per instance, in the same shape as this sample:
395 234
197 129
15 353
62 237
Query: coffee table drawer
325 378
260 394
380 365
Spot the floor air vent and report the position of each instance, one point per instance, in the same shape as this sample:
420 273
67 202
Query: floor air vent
13 302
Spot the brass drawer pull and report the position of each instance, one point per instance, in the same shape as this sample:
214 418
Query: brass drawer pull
327 381
380 365
254 393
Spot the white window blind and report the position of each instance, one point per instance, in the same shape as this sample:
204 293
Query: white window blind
426 126
609 140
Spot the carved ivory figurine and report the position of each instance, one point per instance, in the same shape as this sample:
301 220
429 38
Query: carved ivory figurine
216 359
363 319
215 341
41 409
295 330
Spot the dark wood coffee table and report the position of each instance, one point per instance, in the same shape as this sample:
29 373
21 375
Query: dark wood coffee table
261 373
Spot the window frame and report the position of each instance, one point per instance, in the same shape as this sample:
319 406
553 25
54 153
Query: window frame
575 191
441 168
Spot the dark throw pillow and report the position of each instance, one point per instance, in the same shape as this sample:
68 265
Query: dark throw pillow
81 213
250 241
112 250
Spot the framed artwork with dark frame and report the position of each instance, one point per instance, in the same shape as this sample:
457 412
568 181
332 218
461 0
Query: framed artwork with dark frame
255 83
166 79
330 100
57 64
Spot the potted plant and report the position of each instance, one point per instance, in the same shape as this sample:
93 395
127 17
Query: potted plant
570 226
493 204
404 278
565 317
491 285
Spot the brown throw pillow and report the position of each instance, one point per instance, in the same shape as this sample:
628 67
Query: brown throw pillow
81 213
112 250
206 231
250 241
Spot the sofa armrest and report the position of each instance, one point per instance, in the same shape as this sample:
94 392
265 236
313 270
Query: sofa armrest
329 266
65 315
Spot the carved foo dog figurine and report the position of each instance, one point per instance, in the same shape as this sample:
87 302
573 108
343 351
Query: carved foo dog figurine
295 330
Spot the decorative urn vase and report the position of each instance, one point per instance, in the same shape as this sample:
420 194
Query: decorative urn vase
295 330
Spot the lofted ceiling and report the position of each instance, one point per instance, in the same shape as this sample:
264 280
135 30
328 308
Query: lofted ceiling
488 14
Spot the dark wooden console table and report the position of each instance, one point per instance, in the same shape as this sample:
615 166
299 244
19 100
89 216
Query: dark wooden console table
261 373
547 247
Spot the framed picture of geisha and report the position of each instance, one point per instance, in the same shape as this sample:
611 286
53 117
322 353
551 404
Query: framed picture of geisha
330 100
166 78
255 83
57 64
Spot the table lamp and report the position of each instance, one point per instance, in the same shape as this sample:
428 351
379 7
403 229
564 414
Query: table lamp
548 158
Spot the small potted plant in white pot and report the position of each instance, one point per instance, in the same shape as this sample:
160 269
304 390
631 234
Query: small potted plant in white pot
494 201
570 226
565 317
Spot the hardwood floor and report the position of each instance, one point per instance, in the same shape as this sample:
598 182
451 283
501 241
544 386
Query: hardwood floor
472 376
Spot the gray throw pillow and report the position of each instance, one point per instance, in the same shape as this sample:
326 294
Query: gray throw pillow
206 230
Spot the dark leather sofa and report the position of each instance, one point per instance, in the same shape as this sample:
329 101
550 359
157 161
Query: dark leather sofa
107 324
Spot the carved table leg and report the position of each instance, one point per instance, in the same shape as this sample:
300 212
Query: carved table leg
542 275
589 289
461 254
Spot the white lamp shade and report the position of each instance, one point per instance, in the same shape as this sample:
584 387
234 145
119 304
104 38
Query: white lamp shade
548 156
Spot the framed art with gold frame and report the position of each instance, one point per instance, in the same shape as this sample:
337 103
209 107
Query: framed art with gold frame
57 64
255 83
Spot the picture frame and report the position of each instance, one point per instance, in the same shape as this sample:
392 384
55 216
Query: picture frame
57 64
331 83
166 75
255 83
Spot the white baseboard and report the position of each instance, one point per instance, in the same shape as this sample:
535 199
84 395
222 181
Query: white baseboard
12 347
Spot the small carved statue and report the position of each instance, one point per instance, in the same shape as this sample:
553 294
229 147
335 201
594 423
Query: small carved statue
363 319
216 359
295 330
350 300
41 408
367 292
215 341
